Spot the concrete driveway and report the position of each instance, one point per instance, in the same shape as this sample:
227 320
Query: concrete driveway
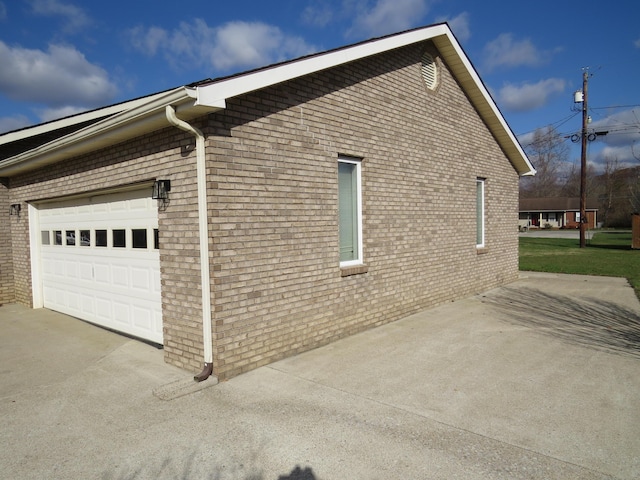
535 380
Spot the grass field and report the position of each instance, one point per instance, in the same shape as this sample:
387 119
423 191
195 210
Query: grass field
608 253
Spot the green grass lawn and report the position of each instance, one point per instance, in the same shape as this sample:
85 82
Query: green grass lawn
608 253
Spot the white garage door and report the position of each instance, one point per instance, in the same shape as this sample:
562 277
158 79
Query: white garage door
101 263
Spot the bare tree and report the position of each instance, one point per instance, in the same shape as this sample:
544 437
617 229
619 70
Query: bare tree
571 183
611 184
548 151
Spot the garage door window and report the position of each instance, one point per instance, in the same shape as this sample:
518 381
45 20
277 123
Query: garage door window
57 237
101 238
119 238
139 237
44 235
71 237
85 238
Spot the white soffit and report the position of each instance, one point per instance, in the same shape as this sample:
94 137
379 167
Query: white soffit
74 119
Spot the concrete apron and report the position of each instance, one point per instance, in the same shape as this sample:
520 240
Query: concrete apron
538 379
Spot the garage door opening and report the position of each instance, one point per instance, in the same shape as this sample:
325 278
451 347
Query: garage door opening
99 261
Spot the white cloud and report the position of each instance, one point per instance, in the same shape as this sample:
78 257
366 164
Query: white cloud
625 155
529 96
388 16
7 124
75 18
505 51
241 44
623 128
232 45
149 40
637 43
3 11
48 114
460 26
59 76
318 14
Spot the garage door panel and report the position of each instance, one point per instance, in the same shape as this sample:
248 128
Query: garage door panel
73 301
121 313
86 272
118 288
71 269
140 279
88 305
104 314
120 276
142 318
102 273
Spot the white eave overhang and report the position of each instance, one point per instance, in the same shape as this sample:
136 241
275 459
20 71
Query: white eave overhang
141 118
148 114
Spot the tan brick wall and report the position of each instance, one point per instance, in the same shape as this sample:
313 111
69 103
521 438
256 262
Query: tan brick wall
278 285
7 291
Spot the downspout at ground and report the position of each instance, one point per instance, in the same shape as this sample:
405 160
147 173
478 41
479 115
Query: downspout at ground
204 240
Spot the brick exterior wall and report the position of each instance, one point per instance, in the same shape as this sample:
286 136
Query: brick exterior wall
277 288
7 291
278 285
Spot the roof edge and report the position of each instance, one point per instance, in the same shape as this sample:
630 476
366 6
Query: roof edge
143 117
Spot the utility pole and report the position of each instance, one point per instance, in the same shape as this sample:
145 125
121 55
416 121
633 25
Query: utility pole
583 162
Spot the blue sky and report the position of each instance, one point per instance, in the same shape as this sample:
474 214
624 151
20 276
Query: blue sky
60 57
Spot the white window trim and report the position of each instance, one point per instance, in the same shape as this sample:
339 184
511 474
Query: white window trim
358 164
480 182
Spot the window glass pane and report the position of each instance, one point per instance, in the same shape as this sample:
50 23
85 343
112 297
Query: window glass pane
479 212
71 237
156 239
57 237
348 211
101 238
44 235
85 238
139 237
119 238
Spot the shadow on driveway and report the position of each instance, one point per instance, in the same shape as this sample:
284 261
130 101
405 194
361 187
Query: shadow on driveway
600 324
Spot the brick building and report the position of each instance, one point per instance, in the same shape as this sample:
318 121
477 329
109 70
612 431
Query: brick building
556 212
312 199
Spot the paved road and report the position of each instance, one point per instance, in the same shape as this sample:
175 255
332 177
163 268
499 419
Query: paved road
556 234
534 380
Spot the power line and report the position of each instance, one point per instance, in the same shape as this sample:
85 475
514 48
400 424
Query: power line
614 106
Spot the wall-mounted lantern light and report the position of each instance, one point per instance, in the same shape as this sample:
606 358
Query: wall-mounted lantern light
161 189
14 209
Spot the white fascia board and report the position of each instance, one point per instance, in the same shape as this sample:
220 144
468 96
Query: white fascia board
73 120
145 117
487 108
238 85
444 39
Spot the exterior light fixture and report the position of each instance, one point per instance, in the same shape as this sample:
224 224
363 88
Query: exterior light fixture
14 209
161 189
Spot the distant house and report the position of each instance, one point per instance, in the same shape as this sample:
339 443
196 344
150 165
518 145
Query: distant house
241 220
555 212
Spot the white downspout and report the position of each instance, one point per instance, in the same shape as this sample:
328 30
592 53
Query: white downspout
204 240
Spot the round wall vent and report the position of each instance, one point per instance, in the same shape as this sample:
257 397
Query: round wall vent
429 71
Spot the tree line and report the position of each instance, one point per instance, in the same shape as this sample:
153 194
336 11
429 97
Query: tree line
616 188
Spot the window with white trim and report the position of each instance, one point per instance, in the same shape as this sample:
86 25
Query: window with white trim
480 212
350 211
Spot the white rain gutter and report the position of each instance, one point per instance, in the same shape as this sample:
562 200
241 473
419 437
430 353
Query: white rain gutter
204 240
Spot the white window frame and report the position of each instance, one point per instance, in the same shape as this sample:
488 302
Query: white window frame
480 212
358 164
